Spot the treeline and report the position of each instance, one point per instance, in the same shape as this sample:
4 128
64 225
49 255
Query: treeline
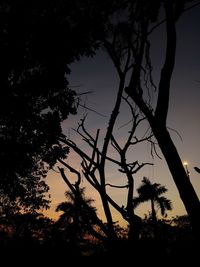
35 232
79 232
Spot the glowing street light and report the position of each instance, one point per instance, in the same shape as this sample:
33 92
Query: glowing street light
185 164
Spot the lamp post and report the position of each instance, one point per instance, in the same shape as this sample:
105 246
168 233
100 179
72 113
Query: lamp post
185 164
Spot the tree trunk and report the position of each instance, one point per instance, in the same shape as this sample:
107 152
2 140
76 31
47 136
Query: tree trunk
153 212
181 179
112 236
154 219
135 225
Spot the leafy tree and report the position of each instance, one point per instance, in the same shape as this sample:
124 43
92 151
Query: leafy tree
25 230
7 207
39 39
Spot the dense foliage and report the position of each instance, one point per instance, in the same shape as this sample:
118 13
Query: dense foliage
38 41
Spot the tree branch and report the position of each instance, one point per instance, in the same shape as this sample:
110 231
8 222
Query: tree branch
66 180
71 170
117 186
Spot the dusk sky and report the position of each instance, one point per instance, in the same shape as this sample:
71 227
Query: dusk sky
98 75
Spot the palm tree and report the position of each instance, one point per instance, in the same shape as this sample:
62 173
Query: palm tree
153 192
79 217
77 209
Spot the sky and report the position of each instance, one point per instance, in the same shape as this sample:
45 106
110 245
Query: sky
98 76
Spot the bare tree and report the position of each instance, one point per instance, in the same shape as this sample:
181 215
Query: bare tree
93 166
128 42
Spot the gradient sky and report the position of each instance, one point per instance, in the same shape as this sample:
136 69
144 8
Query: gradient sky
98 75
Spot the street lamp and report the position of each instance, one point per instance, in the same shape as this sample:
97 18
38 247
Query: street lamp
185 164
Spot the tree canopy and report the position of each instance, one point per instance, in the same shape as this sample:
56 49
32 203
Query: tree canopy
39 39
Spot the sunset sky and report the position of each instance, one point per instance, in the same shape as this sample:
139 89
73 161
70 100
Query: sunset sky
98 75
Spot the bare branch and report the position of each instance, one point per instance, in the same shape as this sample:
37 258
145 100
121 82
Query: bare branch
90 109
80 152
176 133
153 149
115 144
164 20
66 180
141 166
192 6
125 124
133 112
94 149
71 169
141 140
156 26
90 177
81 125
117 186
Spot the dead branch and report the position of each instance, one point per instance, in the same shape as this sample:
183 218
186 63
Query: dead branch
116 186
71 169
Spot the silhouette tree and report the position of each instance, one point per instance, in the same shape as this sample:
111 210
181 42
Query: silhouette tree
153 192
78 227
79 216
8 207
128 43
157 117
94 168
39 39
25 231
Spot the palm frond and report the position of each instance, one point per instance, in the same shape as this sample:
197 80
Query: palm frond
160 189
136 202
163 204
146 181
